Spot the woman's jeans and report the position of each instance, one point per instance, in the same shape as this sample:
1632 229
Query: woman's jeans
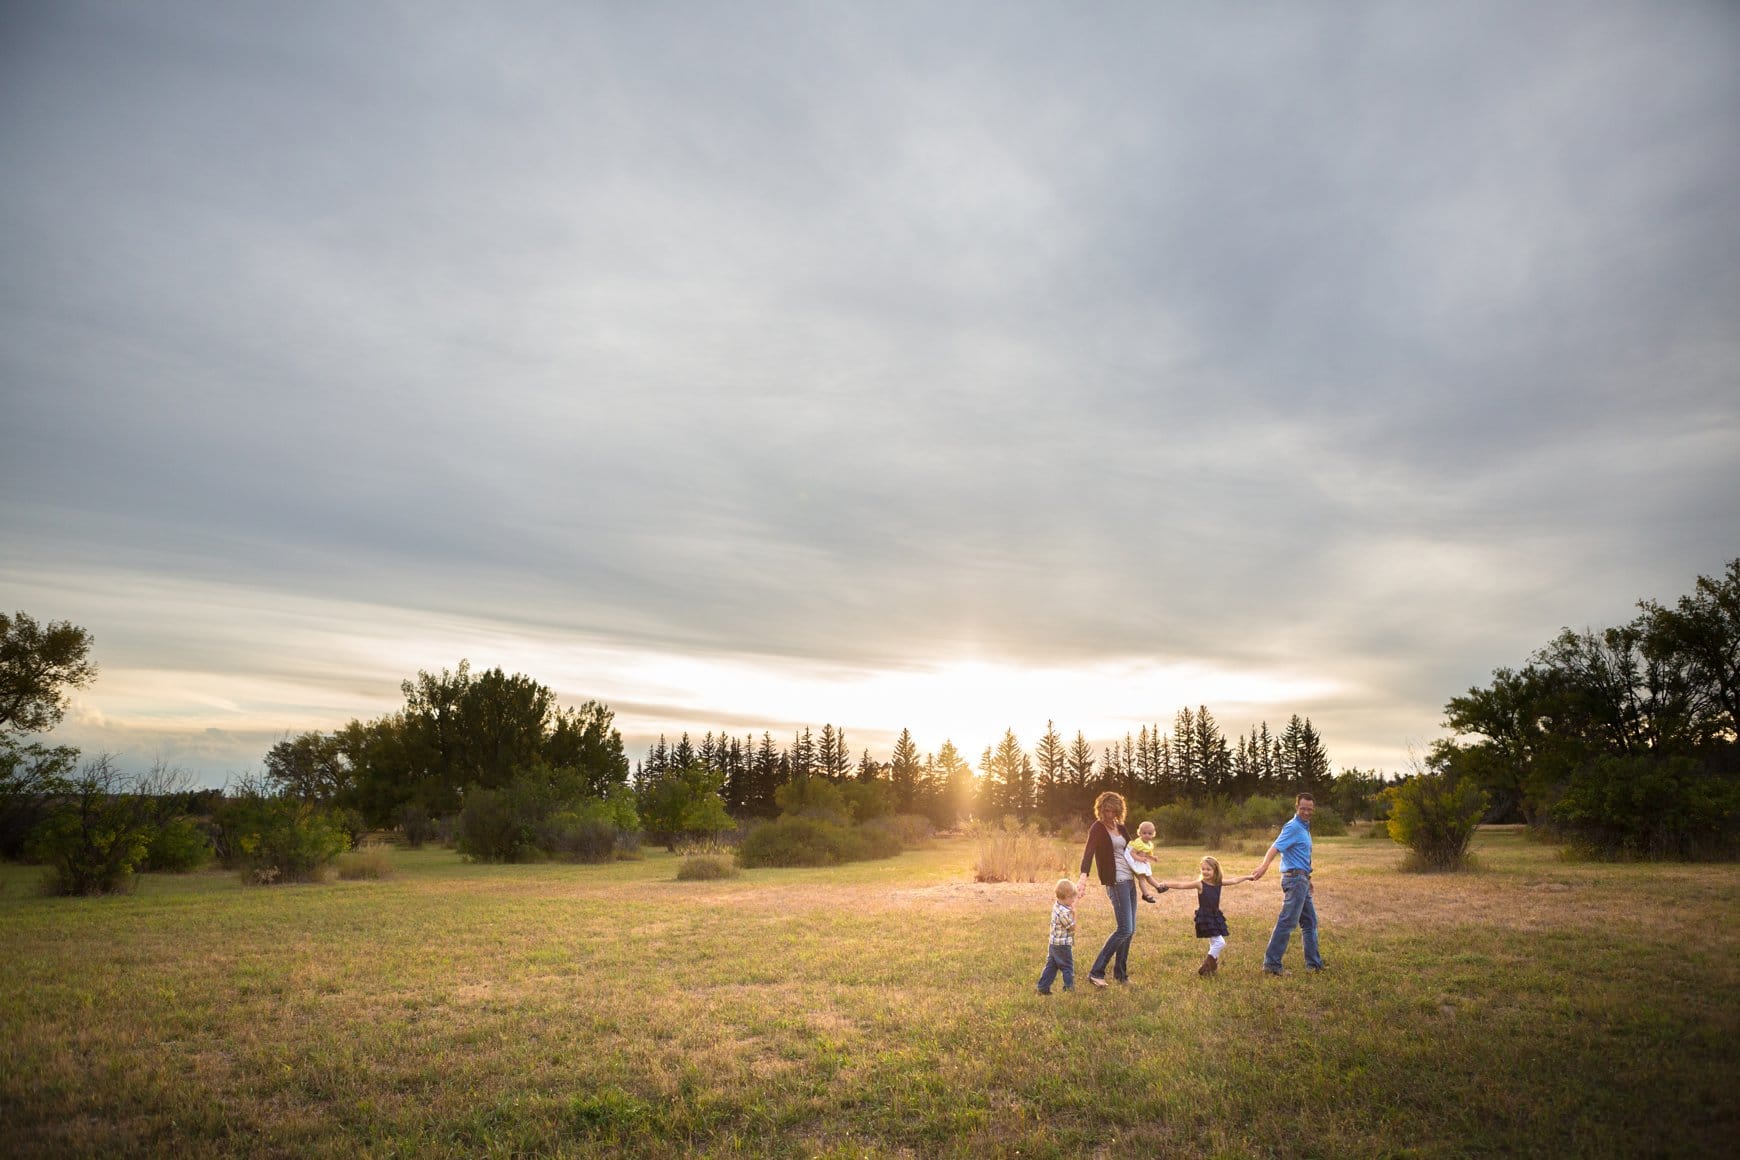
1123 896
1296 911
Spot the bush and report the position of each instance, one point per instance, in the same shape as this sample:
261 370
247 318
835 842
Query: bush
705 868
1268 814
1327 823
97 831
32 777
813 797
1179 822
868 799
416 824
914 831
366 861
1435 816
1648 807
272 838
572 837
813 842
499 825
178 847
1015 853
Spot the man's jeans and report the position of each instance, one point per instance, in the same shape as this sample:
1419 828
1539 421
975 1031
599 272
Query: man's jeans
1296 911
1060 961
1123 896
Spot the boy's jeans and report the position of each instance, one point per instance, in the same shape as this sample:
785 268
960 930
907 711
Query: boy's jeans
1061 960
1296 911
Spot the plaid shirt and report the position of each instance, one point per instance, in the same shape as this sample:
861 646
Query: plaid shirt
1062 925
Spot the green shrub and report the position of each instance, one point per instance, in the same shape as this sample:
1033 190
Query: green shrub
179 846
1435 816
499 825
416 824
295 843
1327 823
866 800
366 861
1267 814
813 797
705 868
1649 807
812 842
1178 822
95 836
572 837
875 842
914 831
32 778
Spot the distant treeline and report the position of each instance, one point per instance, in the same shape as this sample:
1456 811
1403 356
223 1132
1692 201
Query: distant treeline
1191 763
462 731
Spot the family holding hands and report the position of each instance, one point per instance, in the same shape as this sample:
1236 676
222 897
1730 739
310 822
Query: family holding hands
1125 867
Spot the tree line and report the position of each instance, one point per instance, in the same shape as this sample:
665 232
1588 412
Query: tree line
1623 740
1193 762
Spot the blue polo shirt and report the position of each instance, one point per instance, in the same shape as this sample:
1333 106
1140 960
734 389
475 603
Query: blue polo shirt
1294 846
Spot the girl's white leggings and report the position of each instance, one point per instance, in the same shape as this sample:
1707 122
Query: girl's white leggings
1216 945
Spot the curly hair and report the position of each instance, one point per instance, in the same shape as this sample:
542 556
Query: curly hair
1112 801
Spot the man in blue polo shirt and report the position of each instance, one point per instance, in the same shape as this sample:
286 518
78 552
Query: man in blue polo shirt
1294 846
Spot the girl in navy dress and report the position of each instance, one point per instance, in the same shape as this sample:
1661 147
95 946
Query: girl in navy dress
1210 922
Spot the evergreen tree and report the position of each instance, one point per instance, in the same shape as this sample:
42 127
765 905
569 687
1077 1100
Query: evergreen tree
833 760
1051 786
764 779
1080 763
958 788
905 772
1314 773
803 755
1169 791
1211 747
1290 754
1186 758
869 769
1008 785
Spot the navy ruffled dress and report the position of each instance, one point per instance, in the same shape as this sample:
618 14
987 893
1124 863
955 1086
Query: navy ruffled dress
1209 920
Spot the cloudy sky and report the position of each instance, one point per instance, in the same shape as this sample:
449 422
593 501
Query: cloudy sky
957 366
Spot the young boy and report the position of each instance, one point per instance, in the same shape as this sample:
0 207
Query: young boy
1060 958
1140 855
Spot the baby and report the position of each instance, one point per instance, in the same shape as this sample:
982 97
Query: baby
1140 855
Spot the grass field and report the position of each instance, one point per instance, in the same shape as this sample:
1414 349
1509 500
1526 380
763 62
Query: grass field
1532 1007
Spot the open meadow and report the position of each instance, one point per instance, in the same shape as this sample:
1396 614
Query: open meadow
1531 1007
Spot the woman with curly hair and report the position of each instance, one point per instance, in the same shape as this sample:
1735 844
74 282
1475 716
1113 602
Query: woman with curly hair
1106 842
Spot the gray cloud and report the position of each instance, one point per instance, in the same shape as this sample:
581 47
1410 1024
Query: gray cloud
1381 339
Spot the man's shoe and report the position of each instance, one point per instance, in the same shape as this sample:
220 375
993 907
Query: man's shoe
1275 971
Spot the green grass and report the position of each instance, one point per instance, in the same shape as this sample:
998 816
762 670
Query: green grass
1531 1007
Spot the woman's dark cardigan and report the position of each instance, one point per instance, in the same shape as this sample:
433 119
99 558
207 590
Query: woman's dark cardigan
1099 847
